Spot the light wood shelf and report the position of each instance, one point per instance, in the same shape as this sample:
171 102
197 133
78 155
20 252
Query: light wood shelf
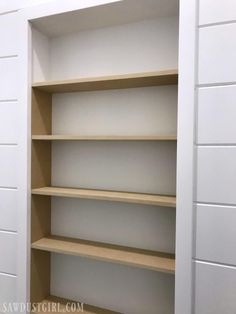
103 138
146 259
169 77
61 305
126 197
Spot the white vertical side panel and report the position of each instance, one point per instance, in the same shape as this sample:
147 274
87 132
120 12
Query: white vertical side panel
24 144
215 11
185 157
40 57
217 50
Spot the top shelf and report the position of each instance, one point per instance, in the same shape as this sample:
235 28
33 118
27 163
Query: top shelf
169 77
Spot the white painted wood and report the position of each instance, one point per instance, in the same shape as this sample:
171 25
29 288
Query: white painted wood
123 166
185 157
8 248
100 16
136 111
40 56
217 50
8 209
121 288
142 226
8 288
216 234
215 289
56 7
216 115
216 183
7 6
9 166
24 144
9 34
99 52
216 11
9 122
9 78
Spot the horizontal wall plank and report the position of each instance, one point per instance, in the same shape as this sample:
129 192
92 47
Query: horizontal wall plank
216 115
217 50
9 166
9 80
8 209
8 249
8 288
215 288
9 34
6 5
9 129
216 234
212 11
216 175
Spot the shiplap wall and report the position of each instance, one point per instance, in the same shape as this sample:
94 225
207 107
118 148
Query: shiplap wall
9 129
214 256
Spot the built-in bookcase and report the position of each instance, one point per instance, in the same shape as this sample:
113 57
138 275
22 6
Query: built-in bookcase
104 110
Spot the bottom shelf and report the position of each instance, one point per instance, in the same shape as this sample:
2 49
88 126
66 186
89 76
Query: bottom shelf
58 305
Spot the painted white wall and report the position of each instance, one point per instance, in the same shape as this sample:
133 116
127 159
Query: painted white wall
214 260
116 50
9 152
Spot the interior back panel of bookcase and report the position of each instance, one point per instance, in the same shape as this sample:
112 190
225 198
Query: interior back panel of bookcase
145 167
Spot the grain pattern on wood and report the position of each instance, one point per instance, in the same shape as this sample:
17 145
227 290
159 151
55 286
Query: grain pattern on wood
40 275
40 164
169 77
41 113
103 138
126 197
146 259
63 306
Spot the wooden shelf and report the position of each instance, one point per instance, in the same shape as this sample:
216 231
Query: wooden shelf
156 261
103 138
169 77
126 197
62 307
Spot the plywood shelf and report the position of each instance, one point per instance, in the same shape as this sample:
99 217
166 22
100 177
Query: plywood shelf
103 138
63 306
146 259
126 197
169 77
